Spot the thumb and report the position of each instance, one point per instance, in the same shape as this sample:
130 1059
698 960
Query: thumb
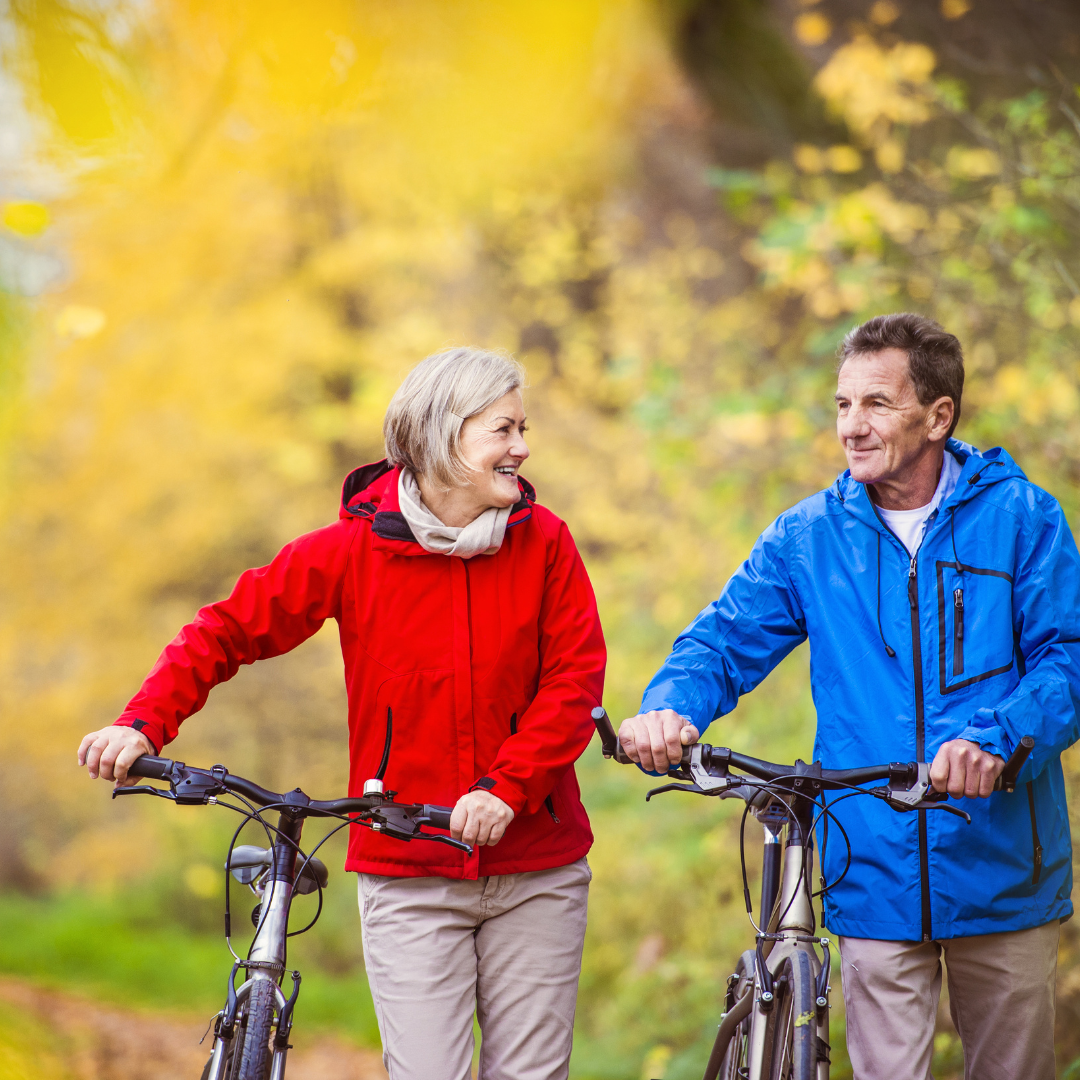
689 735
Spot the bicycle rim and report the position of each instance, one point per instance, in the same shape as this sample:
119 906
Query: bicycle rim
255 1056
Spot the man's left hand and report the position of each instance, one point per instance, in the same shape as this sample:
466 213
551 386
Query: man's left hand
963 770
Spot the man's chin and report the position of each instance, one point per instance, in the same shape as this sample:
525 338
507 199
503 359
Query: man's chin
863 472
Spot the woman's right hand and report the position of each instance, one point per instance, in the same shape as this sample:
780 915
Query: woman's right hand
110 752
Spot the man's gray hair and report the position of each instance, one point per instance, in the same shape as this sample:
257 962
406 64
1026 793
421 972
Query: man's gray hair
423 421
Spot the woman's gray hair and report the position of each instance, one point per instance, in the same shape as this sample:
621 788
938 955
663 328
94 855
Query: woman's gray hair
423 421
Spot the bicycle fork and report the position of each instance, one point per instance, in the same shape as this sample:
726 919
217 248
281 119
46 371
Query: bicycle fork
266 959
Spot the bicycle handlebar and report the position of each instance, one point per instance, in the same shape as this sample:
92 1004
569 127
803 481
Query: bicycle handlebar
195 785
721 757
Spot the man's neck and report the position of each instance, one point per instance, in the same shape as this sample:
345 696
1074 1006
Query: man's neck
915 489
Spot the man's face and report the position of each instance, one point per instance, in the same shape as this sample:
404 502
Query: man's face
881 425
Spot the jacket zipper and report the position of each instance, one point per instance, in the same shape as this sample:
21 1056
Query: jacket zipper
1036 847
548 802
958 632
920 743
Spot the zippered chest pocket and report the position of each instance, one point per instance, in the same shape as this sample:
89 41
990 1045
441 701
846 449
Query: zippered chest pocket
975 624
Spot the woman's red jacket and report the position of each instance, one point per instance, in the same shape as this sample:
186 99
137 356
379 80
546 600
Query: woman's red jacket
491 666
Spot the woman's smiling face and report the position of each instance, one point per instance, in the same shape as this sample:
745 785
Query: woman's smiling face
493 447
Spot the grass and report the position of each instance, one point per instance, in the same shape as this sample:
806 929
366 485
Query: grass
104 948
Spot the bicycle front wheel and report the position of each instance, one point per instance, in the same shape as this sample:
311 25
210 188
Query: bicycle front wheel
791 1045
255 1054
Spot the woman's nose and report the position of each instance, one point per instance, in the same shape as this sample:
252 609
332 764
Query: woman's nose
518 448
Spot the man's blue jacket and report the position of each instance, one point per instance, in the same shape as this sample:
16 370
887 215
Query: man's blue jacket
985 626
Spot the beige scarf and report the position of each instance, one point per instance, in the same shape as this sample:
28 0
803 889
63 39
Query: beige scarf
482 536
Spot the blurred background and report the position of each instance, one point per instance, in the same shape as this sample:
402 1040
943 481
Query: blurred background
228 230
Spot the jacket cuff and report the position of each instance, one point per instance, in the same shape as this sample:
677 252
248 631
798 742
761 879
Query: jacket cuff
148 728
993 740
502 790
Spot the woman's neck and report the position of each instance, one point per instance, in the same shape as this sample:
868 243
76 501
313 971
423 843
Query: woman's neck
456 506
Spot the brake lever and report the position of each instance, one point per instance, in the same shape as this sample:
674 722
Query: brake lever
449 841
692 788
941 806
144 789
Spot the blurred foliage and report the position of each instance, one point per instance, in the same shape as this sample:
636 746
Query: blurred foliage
237 226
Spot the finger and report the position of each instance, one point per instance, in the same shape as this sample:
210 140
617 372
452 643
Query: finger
958 778
689 735
93 756
939 771
658 743
472 827
85 745
496 834
986 781
673 725
129 753
643 743
107 761
628 739
458 819
483 829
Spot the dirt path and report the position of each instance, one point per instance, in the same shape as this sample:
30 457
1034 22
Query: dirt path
101 1042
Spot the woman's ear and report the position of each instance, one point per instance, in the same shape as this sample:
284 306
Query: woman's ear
939 418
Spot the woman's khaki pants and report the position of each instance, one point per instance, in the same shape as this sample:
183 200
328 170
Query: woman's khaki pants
1001 996
506 947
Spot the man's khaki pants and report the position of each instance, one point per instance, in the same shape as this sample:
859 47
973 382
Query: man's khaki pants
508 947
1001 996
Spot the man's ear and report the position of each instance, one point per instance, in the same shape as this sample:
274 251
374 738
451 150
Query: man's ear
939 418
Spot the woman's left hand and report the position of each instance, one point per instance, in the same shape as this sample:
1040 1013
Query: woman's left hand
480 818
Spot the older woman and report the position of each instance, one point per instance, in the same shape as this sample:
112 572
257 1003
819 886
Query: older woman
463 606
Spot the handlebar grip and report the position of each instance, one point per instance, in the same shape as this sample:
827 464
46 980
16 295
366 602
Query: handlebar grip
152 768
609 741
439 816
1007 780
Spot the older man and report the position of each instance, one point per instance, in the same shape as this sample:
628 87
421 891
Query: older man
940 592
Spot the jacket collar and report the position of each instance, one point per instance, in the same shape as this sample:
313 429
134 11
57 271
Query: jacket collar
978 471
371 493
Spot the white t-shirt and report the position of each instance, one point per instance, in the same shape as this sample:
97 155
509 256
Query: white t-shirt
909 525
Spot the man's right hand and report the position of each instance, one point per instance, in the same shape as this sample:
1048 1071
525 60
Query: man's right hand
655 740
110 752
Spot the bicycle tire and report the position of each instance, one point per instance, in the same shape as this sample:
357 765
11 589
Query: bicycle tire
734 1064
255 1055
791 1040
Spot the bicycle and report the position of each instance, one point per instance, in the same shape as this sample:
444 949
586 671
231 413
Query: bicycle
252 1030
775 1023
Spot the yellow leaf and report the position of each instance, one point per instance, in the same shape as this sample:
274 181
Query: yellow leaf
808 158
844 159
884 13
972 162
955 9
80 321
26 218
812 28
889 155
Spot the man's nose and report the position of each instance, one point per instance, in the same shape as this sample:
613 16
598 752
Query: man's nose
852 424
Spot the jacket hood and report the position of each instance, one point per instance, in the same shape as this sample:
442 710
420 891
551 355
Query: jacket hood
371 492
979 470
